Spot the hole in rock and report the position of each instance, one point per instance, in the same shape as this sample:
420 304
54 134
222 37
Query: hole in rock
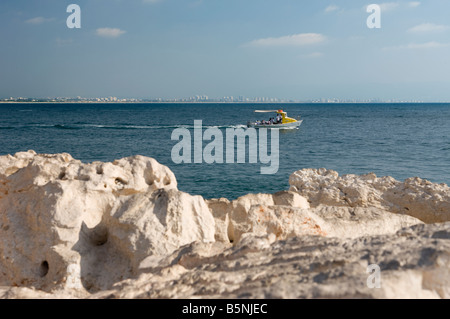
62 175
99 236
96 236
161 197
166 181
43 269
99 170
120 181
149 179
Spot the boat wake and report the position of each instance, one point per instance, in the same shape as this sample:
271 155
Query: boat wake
79 126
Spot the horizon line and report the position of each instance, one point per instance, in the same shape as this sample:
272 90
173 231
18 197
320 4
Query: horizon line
222 102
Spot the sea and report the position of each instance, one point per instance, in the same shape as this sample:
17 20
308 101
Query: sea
400 140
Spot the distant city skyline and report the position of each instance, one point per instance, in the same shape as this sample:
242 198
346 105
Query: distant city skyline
176 49
198 99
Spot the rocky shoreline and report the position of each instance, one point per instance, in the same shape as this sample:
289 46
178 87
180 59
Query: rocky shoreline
123 230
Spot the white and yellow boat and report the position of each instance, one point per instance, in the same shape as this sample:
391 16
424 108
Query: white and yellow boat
286 122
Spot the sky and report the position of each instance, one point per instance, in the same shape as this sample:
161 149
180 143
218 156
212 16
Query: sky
291 49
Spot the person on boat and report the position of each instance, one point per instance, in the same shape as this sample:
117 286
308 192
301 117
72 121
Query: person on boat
279 118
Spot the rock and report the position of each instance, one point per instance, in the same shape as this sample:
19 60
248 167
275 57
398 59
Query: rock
343 222
413 263
238 213
69 225
287 214
232 218
23 293
353 222
284 222
11 164
122 229
415 197
220 211
420 198
292 199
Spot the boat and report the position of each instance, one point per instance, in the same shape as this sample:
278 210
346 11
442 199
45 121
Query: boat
286 122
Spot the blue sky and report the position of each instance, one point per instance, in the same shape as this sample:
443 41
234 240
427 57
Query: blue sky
181 48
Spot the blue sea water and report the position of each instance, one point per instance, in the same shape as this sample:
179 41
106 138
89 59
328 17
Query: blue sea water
400 140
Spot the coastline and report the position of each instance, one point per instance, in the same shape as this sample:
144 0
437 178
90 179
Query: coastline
220 102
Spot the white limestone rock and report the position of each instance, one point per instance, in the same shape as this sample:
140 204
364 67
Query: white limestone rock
414 263
353 222
292 199
238 213
287 214
284 222
416 197
65 224
220 210
232 218
123 229
10 164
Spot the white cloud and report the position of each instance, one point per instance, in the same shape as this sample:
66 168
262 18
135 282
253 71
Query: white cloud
389 6
428 28
414 4
300 39
331 8
392 6
109 32
419 46
38 20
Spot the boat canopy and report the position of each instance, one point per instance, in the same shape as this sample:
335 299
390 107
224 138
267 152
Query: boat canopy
269 111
